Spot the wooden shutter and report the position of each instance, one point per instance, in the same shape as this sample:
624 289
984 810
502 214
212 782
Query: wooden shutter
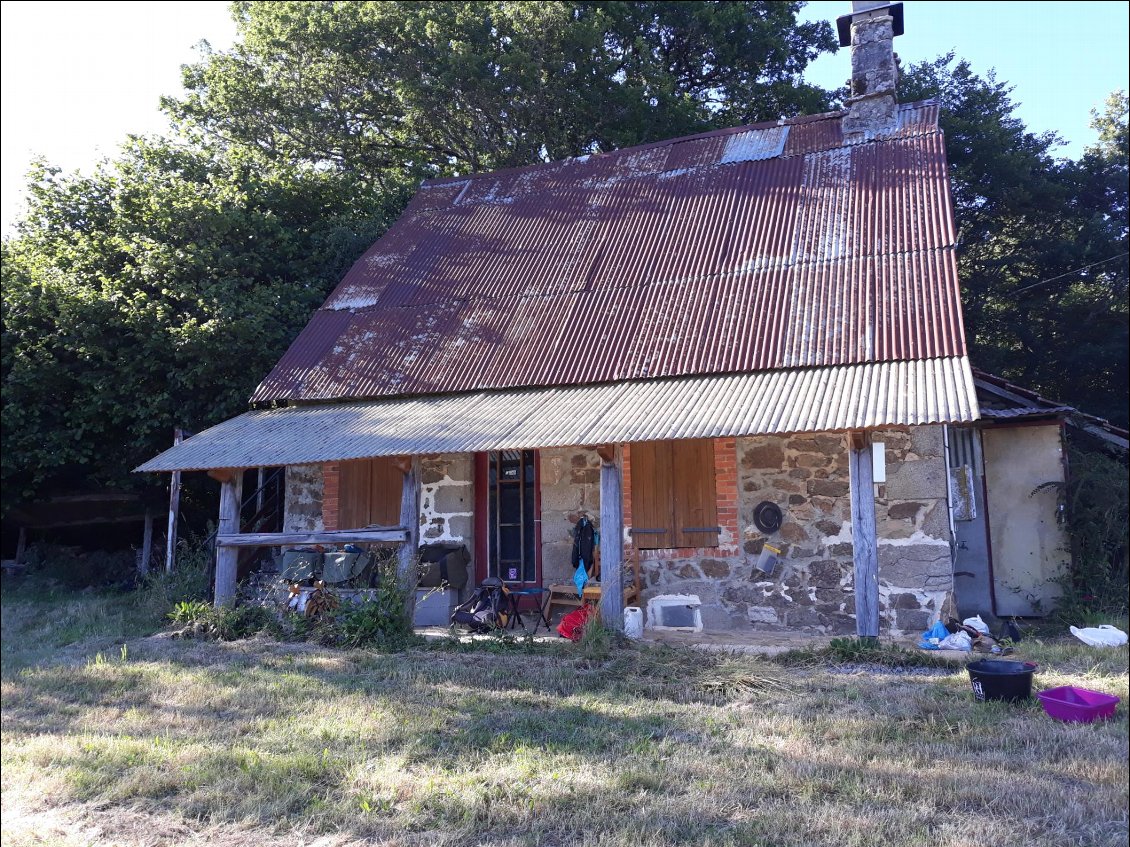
695 506
652 527
370 493
386 484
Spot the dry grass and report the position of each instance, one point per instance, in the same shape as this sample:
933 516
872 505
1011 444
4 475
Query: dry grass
265 743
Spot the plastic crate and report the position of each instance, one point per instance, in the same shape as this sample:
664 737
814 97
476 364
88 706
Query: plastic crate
1077 705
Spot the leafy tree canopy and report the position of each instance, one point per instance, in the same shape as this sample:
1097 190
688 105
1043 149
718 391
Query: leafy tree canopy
159 290
404 90
1042 241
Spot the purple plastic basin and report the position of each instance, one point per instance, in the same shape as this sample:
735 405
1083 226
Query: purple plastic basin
1079 705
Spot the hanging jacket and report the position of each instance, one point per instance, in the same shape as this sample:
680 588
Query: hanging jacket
584 543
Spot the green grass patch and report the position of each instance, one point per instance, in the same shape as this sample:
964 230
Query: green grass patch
530 743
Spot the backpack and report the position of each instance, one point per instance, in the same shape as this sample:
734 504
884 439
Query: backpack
487 608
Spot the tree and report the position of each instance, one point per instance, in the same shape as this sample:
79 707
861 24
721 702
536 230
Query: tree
161 288
156 292
395 91
1042 242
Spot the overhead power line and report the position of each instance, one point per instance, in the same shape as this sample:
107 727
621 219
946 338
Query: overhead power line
1070 273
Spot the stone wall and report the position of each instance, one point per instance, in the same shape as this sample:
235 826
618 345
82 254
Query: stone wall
570 488
447 499
302 499
812 586
912 514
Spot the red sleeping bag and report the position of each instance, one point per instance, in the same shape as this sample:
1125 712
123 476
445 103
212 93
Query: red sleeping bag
573 624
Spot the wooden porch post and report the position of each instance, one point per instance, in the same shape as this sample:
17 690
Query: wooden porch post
146 543
174 510
227 558
410 520
611 538
21 545
863 541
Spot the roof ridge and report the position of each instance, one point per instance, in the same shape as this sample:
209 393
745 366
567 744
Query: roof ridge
797 120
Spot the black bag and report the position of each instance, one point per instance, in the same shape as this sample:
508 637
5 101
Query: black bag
443 566
487 608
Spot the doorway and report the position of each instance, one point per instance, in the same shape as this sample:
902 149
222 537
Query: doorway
508 517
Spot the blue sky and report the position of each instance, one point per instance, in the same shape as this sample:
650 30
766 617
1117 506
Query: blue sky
77 77
1063 58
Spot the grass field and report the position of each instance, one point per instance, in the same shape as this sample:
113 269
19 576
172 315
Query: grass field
110 737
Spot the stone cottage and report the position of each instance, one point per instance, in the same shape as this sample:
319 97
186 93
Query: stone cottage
665 338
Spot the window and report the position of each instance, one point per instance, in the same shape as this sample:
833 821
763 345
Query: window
369 493
673 494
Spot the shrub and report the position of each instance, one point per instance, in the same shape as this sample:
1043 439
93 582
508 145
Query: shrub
382 621
190 611
1096 508
75 568
232 623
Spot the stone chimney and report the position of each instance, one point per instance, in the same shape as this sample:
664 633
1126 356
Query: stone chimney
870 29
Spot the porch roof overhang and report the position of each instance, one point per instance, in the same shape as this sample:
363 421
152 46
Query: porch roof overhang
843 397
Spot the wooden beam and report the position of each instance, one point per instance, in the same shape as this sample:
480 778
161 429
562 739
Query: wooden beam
174 510
146 544
223 475
410 521
863 538
227 557
612 541
341 536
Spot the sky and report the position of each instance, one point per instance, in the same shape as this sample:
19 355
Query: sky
77 77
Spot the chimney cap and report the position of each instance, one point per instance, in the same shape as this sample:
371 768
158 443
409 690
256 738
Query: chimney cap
843 23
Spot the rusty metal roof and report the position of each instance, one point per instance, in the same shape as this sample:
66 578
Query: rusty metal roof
773 246
797 400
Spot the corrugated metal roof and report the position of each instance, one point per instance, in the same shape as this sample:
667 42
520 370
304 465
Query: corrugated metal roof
784 401
1026 412
755 248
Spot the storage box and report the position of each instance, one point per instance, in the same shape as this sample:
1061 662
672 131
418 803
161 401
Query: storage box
1077 705
434 606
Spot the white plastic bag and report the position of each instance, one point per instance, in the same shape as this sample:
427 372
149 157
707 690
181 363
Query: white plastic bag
1100 636
977 624
959 640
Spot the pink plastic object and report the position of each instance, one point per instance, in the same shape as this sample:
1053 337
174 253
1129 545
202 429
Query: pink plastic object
1078 705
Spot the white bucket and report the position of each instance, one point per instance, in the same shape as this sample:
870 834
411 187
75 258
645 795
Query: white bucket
633 622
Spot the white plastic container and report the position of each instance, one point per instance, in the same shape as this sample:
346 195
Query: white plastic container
633 622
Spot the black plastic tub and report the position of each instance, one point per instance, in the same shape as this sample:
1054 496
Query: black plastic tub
1001 679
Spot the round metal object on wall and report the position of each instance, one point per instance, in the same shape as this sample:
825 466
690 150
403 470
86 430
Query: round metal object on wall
767 516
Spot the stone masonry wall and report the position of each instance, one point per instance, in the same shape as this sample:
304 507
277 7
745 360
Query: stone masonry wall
447 499
570 488
912 513
302 499
812 585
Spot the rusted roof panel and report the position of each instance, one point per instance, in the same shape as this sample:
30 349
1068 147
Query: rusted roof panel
756 248
824 399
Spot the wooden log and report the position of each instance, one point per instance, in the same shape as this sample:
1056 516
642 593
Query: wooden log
340 536
174 510
863 538
406 566
146 544
612 542
227 557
